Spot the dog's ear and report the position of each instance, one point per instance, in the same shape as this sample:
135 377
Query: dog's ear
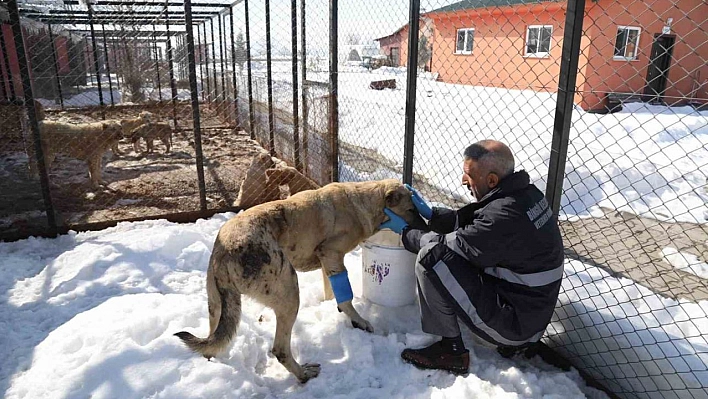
393 197
262 161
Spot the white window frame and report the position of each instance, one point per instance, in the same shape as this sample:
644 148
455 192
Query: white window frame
538 54
464 45
636 44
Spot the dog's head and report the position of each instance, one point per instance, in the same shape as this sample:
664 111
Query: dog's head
398 199
291 177
146 116
261 162
134 137
112 130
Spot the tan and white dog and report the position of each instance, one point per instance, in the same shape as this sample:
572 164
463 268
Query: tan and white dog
149 132
264 178
258 252
130 124
84 141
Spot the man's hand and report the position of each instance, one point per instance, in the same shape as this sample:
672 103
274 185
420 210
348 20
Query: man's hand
420 204
395 222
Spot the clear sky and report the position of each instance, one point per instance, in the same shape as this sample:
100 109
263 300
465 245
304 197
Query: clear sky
365 20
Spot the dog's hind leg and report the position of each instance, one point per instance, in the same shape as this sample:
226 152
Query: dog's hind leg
285 303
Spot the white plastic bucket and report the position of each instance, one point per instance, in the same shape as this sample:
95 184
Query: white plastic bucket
388 275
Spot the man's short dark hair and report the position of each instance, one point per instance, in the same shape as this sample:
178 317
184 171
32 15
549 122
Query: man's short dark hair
475 152
494 156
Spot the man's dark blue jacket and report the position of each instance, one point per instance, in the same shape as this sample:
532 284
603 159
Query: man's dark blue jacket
505 252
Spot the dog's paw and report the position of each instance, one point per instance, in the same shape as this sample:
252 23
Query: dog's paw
363 325
309 370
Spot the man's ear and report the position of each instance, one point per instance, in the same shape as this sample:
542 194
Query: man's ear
492 180
393 197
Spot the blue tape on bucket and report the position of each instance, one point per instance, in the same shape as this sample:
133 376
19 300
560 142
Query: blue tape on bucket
341 287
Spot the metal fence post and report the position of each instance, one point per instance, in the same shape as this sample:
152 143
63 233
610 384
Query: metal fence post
86 62
95 60
296 119
207 53
195 105
31 113
213 59
115 63
251 111
56 66
206 64
269 74
237 121
170 63
225 62
411 85
201 60
108 65
334 87
564 104
3 94
221 56
6 64
303 59
157 63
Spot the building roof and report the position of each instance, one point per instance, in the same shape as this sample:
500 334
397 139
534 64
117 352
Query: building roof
471 4
423 17
391 34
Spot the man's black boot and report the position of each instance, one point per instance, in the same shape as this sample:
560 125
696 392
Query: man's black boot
448 354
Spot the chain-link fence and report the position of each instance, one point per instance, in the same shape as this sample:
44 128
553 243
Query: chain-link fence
634 200
602 102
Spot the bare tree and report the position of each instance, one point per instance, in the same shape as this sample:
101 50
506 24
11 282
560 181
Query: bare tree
425 52
353 38
239 54
134 57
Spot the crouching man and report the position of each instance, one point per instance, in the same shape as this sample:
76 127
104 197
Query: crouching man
497 263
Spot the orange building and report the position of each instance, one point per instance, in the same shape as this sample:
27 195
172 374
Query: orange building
651 50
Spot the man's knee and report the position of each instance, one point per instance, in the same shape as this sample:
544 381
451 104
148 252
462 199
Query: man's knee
420 271
426 249
427 257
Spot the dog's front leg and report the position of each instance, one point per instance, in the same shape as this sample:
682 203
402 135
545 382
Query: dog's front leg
94 167
339 280
357 321
327 286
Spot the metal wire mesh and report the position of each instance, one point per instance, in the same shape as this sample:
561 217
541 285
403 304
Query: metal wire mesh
635 202
262 99
633 206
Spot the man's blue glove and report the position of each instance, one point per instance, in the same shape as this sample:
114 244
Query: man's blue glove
395 222
420 204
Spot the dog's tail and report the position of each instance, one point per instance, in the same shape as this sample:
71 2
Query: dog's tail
224 316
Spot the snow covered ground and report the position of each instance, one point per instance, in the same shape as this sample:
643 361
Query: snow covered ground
89 95
92 315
